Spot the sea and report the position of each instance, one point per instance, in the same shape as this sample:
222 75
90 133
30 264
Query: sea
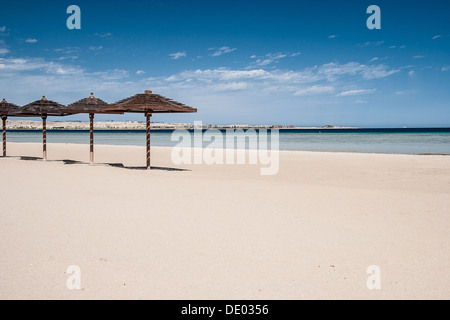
366 140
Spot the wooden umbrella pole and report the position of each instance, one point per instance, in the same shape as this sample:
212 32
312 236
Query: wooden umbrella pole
148 115
44 136
91 118
4 135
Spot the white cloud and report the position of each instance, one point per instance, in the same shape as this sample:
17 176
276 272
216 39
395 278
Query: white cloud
68 58
316 89
93 48
16 66
295 54
437 37
411 73
177 55
103 35
2 29
30 40
333 70
268 59
418 57
220 51
374 59
314 80
3 51
114 74
356 92
220 74
140 72
332 36
371 44
68 50
360 101
232 86
445 68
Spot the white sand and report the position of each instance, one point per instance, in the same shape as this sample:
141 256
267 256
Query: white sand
223 232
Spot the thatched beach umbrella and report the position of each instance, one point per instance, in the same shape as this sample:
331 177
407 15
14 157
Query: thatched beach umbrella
7 109
44 108
148 103
92 106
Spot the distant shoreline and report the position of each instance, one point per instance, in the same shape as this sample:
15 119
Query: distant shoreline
281 130
137 126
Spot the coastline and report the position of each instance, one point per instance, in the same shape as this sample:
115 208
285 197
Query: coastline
140 125
310 231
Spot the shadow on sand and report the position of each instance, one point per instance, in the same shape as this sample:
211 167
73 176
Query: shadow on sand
115 165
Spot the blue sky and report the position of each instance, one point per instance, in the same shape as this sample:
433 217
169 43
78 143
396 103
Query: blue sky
302 63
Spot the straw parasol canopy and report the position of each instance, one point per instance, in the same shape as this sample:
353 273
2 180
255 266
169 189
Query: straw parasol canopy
8 109
44 107
90 104
149 102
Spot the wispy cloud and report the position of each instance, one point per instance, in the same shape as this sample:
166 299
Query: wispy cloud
418 57
67 50
30 40
68 58
57 80
285 79
220 51
333 70
20 65
332 36
356 92
394 47
437 37
2 29
110 75
139 72
94 48
360 101
295 54
103 34
445 68
178 55
3 51
313 90
374 59
371 44
267 59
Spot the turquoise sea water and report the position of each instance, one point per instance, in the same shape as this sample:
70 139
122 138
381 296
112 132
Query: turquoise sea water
375 141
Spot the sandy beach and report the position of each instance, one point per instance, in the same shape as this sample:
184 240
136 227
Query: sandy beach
223 231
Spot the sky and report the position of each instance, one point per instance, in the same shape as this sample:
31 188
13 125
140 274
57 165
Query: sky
303 63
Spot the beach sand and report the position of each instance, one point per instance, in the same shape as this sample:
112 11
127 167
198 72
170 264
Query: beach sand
223 231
